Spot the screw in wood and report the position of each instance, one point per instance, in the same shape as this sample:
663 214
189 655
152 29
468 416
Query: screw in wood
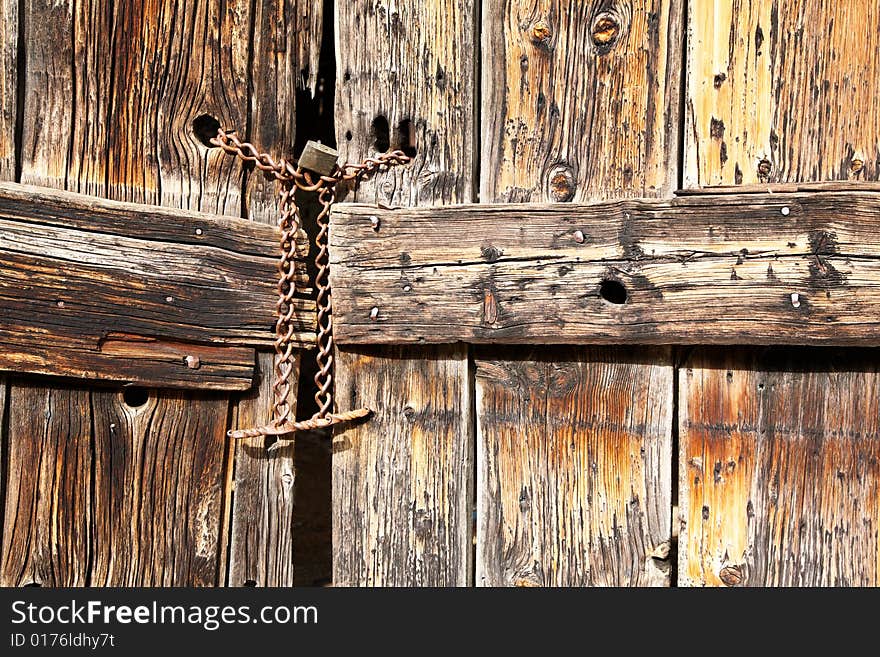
193 362
169 299
198 231
785 211
579 236
407 288
374 313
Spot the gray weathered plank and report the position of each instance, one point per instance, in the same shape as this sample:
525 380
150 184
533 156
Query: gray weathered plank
700 269
780 468
408 70
402 484
126 292
785 92
580 101
574 469
412 65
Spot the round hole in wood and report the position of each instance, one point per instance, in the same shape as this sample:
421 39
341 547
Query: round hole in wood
135 397
205 128
613 291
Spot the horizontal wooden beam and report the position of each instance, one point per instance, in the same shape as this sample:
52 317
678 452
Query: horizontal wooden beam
133 293
792 268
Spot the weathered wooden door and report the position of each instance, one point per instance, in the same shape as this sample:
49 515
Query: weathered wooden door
595 465
484 464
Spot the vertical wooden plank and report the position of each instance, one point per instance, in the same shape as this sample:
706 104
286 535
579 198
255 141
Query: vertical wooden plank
286 45
8 86
112 89
782 90
777 91
47 528
780 468
401 489
574 468
580 102
580 99
406 79
401 482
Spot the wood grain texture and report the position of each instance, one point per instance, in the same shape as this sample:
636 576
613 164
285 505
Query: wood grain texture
782 90
261 543
127 292
699 269
780 468
8 86
114 120
574 473
47 527
402 481
414 65
580 99
286 46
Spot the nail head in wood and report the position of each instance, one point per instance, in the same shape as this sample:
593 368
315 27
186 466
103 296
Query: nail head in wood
786 211
374 313
374 223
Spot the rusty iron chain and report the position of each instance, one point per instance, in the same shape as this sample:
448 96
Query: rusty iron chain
291 176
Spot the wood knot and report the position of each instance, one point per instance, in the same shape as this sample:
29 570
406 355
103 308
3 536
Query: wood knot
605 31
541 34
764 169
856 166
562 185
732 575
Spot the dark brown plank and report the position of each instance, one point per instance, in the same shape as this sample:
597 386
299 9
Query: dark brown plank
759 269
47 533
580 101
132 293
780 468
782 91
114 120
574 469
410 67
262 505
408 470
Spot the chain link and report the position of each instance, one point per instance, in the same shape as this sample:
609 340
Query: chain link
293 177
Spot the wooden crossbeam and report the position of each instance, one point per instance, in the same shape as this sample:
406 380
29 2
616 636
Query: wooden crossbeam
751 268
100 289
